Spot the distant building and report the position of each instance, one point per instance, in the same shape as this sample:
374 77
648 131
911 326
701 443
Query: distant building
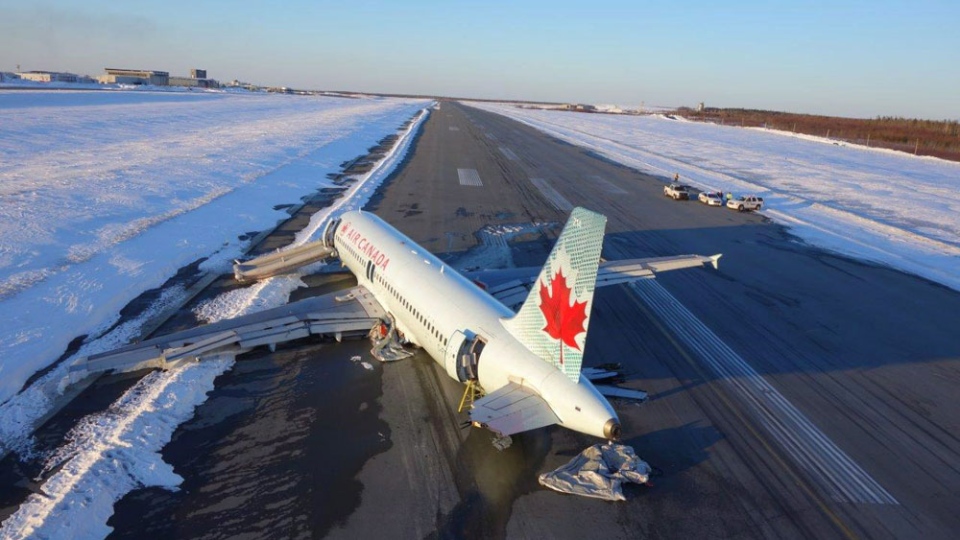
579 107
700 107
197 79
48 76
134 76
240 84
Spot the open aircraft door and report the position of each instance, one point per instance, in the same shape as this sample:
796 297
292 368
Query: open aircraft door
458 342
462 355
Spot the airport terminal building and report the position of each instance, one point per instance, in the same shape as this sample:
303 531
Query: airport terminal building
134 76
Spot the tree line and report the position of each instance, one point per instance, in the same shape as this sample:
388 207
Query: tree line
940 138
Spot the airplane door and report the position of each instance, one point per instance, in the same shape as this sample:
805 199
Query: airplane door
455 344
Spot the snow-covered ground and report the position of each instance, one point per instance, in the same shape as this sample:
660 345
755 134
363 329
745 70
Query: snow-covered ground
111 453
104 195
880 205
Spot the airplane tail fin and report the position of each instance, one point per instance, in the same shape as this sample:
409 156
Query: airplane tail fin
553 321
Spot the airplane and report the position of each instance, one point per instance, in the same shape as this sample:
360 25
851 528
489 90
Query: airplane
527 362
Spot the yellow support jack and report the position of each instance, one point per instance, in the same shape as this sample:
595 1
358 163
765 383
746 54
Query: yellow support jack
473 391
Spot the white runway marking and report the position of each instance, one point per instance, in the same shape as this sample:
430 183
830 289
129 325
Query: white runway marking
809 447
454 128
607 186
491 136
469 177
508 152
558 200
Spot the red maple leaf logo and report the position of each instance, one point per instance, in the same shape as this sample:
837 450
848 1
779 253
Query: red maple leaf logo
564 322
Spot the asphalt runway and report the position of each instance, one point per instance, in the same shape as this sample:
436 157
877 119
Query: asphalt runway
817 399
794 392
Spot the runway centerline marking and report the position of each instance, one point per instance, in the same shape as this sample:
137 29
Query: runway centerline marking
556 199
469 177
509 153
810 449
607 185
454 128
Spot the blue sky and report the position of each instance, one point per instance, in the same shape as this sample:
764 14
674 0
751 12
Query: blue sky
849 58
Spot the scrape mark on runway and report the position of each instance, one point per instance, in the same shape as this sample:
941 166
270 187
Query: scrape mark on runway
509 153
469 177
808 447
557 200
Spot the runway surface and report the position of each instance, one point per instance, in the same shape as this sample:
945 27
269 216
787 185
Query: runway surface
794 392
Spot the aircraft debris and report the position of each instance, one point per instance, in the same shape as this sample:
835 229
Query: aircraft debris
598 472
386 342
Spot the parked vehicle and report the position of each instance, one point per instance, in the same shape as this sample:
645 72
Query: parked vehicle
710 198
677 191
748 202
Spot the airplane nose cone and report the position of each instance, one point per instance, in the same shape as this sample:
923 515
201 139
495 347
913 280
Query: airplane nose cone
611 430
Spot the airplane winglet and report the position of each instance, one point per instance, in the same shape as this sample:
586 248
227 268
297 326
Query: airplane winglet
715 260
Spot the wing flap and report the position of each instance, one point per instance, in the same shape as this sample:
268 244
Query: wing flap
513 409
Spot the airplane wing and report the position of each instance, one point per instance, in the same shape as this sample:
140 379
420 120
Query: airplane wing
511 286
336 314
512 409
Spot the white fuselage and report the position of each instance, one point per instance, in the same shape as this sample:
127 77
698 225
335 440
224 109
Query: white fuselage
438 309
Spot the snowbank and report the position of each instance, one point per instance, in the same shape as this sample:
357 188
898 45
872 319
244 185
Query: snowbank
875 204
104 195
116 451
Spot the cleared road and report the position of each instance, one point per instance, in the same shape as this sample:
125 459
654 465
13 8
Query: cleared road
794 393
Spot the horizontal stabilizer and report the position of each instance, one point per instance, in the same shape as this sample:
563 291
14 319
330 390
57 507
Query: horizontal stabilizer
622 393
597 374
625 271
512 286
512 409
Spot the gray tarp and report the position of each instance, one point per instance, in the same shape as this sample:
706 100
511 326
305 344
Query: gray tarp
598 472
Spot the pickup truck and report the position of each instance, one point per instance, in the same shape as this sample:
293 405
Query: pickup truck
677 191
749 202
